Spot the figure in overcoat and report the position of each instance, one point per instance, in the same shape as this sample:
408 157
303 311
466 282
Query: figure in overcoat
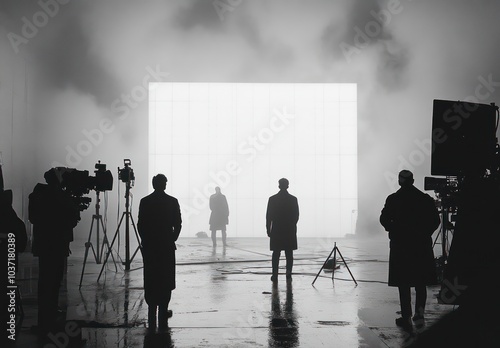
159 226
219 217
53 214
410 216
281 225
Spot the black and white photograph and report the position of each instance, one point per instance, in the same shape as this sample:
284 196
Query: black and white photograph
249 173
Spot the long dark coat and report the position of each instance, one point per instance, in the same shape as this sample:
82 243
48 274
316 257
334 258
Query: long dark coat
281 221
54 215
219 217
410 216
159 225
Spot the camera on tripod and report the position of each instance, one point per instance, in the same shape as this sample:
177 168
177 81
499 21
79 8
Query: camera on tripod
446 190
101 182
126 174
103 179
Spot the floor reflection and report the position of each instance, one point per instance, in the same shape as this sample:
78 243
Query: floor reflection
218 281
126 309
159 340
222 300
283 324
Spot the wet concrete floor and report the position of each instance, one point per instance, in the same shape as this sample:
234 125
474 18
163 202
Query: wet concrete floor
224 298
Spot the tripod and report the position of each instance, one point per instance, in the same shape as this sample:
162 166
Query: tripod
334 252
445 228
128 218
97 254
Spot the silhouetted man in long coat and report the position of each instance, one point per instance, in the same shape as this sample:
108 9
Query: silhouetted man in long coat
159 225
219 217
281 224
410 216
53 214
472 264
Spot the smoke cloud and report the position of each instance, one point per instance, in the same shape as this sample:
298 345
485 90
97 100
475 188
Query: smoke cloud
88 61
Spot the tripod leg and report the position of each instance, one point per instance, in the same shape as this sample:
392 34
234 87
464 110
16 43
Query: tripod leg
138 239
87 245
324 264
84 262
114 262
137 235
105 242
334 261
110 247
436 239
345 263
89 241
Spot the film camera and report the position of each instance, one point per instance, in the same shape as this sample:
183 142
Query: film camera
126 174
78 183
446 190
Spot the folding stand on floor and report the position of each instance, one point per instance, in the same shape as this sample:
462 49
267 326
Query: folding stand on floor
97 254
128 218
334 252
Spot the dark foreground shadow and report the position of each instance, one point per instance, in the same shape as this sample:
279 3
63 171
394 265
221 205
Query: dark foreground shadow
159 340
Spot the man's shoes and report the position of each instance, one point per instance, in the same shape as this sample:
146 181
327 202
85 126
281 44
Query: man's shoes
163 323
419 321
274 278
404 323
418 317
163 326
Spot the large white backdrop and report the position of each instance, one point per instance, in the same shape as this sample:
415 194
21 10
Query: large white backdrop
244 137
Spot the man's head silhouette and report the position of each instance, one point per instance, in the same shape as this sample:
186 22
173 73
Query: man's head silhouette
283 184
159 182
405 178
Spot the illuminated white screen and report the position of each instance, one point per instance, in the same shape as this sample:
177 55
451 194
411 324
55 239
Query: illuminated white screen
244 137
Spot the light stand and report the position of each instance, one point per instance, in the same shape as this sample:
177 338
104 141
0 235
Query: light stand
334 252
97 254
128 218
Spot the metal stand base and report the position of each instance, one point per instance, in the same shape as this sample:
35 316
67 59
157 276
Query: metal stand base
334 252
128 260
97 254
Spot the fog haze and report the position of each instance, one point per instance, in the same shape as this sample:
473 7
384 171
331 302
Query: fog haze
87 64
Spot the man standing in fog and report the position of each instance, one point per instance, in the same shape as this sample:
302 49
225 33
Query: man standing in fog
410 216
159 226
281 224
219 217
